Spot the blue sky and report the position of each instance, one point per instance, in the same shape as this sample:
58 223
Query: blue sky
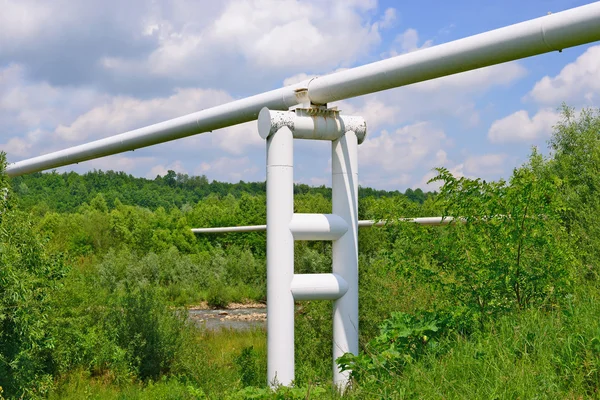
72 72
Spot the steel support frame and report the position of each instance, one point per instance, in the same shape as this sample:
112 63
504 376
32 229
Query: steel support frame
279 128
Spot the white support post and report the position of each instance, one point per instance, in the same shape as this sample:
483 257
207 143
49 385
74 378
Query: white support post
280 258
344 161
284 227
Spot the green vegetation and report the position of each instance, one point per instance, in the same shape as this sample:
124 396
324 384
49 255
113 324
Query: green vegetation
96 271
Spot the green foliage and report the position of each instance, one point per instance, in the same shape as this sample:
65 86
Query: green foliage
507 250
281 393
66 192
80 386
218 296
575 145
531 354
28 278
150 333
403 340
249 368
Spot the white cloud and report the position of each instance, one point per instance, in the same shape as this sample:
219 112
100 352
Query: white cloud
162 170
117 162
22 19
297 78
267 34
389 18
375 112
238 138
229 169
408 41
30 110
405 148
30 105
16 146
485 165
124 67
476 80
120 114
577 83
519 127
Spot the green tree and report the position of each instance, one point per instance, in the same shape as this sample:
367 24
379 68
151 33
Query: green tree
575 146
28 277
506 247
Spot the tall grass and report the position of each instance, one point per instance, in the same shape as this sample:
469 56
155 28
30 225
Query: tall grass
533 354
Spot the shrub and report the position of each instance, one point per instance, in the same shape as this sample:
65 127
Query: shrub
28 278
148 330
248 367
218 296
403 340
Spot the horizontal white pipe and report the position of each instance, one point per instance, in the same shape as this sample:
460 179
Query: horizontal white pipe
318 286
549 33
432 221
226 229
317 226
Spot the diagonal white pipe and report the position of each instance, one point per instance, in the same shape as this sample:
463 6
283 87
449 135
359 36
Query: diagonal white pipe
541 35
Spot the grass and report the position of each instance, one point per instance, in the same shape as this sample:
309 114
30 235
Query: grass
209 362
532 354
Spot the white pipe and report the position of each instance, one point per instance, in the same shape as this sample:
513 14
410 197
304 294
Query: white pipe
317 226
226 229
344 199
318 286
549 33
218 117
280 258
432 221
553 32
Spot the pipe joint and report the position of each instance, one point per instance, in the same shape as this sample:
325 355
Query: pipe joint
316 123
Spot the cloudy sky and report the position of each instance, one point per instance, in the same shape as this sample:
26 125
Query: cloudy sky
76 71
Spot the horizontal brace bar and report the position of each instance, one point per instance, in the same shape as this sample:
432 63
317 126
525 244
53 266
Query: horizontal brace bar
318 227
318 286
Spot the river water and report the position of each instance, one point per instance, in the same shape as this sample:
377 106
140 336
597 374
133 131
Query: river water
237 319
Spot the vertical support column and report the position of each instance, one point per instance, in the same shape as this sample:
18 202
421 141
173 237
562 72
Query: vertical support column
280 258
344 159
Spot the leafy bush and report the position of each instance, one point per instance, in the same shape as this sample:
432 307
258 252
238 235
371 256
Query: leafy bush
575 146
505 250
248 368
403 339
218 296
28 278
148 330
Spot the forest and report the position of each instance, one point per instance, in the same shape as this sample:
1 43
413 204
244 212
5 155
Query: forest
98 271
